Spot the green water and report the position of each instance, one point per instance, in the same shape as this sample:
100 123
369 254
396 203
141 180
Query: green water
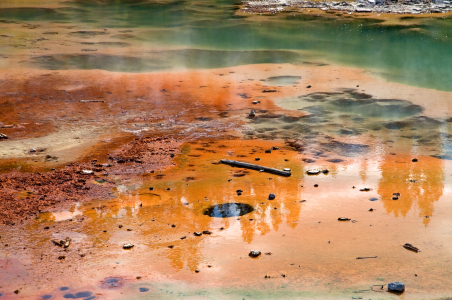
416 55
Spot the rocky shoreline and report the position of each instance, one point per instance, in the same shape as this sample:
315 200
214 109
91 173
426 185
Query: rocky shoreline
413 7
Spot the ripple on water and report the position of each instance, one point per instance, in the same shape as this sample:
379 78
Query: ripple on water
227 210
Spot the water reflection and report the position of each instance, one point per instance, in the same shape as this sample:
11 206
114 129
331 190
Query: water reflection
420 184
228 210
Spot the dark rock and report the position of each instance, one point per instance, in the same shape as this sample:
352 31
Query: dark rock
252 114
271 196
396 287
197 233
268 151
254 253
127 246
414 160
313 172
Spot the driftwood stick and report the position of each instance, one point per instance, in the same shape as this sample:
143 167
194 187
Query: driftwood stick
240 164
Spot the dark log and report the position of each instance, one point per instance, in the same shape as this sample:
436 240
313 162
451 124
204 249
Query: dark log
240 164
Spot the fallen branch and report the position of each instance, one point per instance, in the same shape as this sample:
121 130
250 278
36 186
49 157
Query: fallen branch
240 164
364 257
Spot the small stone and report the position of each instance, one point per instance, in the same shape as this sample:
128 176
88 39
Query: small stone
119 226
151 188
138 277
397 287
414 160
371 209
127 246
3 136
197 233
275 148
206 232
252 114
257 159
271 196
316 185
173 225
196 271
171 246
183 238
254 102
254 253
268 151
395 198
309 86
16 292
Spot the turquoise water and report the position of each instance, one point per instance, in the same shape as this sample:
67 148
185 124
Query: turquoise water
414 54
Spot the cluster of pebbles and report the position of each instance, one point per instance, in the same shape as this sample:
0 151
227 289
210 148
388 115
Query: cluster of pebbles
360 6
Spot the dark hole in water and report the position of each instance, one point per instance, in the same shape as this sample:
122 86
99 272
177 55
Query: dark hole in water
112 282
142 290
46 297
64 288
227 210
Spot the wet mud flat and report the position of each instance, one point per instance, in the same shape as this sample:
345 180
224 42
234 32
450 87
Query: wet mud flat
149 210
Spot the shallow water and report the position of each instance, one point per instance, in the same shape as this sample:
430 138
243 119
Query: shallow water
412 52
208 68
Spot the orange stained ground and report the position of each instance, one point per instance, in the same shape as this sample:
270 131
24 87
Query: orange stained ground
308 245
